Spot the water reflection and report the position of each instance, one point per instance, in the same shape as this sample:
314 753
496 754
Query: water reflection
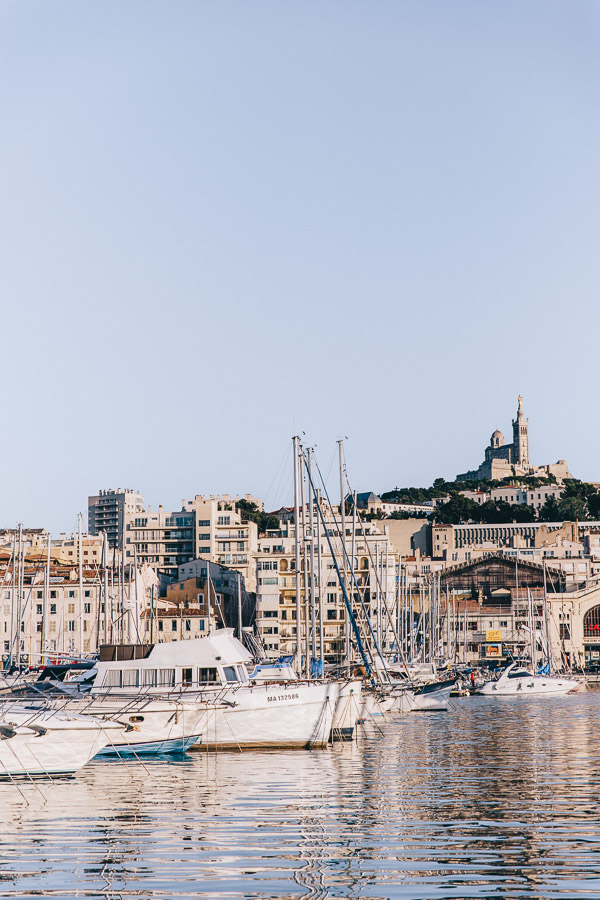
495 799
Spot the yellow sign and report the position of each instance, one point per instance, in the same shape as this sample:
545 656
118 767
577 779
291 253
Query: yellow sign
493 650
493 634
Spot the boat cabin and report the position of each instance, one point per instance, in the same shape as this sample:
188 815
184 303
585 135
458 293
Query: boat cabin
218 659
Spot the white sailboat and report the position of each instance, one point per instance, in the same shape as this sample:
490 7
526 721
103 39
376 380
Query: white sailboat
46 743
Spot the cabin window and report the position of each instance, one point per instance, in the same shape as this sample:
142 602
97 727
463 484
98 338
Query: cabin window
112 678
130 678
207 676
149 677
187 676
166 677
230 673
242 674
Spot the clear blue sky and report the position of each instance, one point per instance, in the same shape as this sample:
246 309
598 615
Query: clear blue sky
225 222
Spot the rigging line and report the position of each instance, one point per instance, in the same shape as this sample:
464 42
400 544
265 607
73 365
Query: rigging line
332 460
377 579
17 635
351 567
281 469
361 647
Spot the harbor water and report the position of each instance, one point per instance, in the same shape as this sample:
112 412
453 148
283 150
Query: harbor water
496 798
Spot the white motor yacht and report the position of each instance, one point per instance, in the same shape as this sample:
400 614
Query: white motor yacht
213 670
516 681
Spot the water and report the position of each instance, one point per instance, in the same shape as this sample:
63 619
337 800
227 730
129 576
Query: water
497 798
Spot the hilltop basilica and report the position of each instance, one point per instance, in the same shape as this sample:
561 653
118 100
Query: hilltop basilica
511 460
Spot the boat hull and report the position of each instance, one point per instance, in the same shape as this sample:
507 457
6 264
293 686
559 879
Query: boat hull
347 711
293 714
45 744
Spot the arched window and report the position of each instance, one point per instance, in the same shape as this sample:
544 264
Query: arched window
591 622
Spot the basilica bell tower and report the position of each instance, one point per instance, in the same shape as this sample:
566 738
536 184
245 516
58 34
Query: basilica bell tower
521 436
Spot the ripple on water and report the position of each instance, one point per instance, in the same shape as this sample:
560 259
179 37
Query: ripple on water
495 799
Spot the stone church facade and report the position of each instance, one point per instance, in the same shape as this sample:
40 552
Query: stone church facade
504 460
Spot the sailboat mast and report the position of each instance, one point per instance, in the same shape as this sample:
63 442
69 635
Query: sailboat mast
320 580
343 530
44 637
19 597
311 525
239 605
298 660
304 563
80 560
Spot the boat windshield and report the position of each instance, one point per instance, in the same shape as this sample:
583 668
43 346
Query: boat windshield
520 673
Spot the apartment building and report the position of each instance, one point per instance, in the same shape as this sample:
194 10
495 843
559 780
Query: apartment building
58 615
208 527
110 510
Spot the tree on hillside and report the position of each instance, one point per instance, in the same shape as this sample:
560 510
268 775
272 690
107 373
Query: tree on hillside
250 512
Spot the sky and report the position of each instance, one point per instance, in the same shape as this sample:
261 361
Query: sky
223 224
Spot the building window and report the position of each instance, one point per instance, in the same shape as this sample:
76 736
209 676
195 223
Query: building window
71 608
38 609
160 625
188 625
173 624
53 609
71 625
87 607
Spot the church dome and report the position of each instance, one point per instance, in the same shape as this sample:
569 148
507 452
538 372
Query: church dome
497 439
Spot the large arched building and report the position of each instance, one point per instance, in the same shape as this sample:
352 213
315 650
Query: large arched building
512 460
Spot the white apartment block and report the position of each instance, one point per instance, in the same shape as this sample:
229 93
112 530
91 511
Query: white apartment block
534 497
208 527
